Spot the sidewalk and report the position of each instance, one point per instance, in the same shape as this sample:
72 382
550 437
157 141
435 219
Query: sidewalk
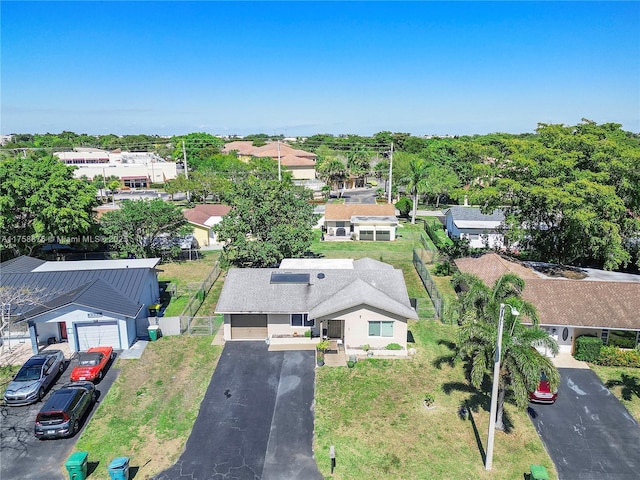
566 360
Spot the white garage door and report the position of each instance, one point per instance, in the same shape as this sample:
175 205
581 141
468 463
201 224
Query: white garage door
99 334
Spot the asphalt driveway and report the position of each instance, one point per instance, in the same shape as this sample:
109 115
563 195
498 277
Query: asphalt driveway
22 455
588 433
256 419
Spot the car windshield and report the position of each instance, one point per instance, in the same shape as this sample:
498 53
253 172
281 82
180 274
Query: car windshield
27 374
89 359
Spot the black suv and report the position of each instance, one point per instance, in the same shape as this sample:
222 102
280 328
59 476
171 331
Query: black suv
61 414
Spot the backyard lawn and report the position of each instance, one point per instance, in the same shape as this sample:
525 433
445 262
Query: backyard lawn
374 416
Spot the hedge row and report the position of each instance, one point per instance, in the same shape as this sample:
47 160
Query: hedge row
591 349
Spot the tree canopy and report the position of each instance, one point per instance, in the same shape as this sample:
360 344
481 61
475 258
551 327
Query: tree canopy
268 221
40 201
142 227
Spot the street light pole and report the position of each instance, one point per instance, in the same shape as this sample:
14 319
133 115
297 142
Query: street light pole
496 384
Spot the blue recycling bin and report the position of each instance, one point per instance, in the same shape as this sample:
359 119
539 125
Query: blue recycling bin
119 468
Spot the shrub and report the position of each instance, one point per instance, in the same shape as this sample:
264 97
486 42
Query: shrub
307 333
323 346
404 206
366 347
429 398
587 348
351 363
442 269
394 346
611 356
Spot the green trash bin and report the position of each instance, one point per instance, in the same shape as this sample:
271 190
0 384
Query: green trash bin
119 468
538 472
154 332
77 466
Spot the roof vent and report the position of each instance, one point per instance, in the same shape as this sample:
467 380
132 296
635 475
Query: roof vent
320 275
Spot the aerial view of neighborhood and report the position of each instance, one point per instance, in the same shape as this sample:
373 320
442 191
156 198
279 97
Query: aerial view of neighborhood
320 240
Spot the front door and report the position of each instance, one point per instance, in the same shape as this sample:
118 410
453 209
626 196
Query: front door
334 328
62 328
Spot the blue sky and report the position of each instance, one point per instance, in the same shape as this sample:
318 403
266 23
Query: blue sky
300 68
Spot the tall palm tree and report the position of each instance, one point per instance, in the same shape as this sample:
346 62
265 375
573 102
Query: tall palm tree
521 364
359 162
332 171
416 181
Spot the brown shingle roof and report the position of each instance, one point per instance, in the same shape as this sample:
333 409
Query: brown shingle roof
201 213
270 150
343 211
586 303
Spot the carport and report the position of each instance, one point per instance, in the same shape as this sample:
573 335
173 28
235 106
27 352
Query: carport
588 433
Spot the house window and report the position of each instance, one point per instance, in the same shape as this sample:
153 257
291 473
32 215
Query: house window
341 224
380 329
301 320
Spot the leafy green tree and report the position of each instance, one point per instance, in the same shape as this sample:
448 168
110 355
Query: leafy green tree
521 364
268 221
359 161
40 200
442 181
404 206
139 226
199 147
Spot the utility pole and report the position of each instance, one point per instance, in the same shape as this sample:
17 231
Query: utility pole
186 169
390 172
279 167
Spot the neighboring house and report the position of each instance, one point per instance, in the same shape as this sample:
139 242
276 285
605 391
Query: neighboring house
134 169
301 164
583 302
88 303
361 302
363 221
204 218
482 230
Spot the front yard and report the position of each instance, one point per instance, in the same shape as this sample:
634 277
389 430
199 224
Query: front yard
373 415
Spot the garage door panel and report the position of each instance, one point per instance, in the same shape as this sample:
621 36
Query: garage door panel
248 327
366 234
383 235
99 334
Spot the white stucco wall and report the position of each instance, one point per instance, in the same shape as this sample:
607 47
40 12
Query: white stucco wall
376 228
356 328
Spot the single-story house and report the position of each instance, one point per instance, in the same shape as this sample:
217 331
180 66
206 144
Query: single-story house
204 218
375 222
571 301
482 230
88 303
361 302
300 163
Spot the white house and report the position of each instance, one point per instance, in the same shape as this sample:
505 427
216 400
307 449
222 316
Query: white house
363 221
87 303
482 230
361 302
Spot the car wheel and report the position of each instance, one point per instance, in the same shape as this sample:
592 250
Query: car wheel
75 428
61 367
99 377
41 393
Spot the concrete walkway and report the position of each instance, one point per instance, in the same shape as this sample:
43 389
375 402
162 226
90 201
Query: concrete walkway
566 360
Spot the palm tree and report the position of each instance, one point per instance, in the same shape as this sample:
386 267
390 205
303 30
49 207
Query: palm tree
416 181
332 171
521 363
359 162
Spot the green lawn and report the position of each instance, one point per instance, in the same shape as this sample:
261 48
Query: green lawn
150 409
374 417
624 382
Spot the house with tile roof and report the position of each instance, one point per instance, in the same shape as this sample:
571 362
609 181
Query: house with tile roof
571 301
204 217
361 302
88 303
300 163
482 230
375 222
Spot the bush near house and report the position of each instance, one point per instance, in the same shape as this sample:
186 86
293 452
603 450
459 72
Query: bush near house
617 357
587 348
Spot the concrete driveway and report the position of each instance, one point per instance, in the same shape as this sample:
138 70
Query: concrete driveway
256 420
22 455
588 433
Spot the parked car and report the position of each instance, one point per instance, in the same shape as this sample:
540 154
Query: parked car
92 364
543 393
62 413
34 378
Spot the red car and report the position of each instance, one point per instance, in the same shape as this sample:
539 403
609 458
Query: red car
92 364
543 393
